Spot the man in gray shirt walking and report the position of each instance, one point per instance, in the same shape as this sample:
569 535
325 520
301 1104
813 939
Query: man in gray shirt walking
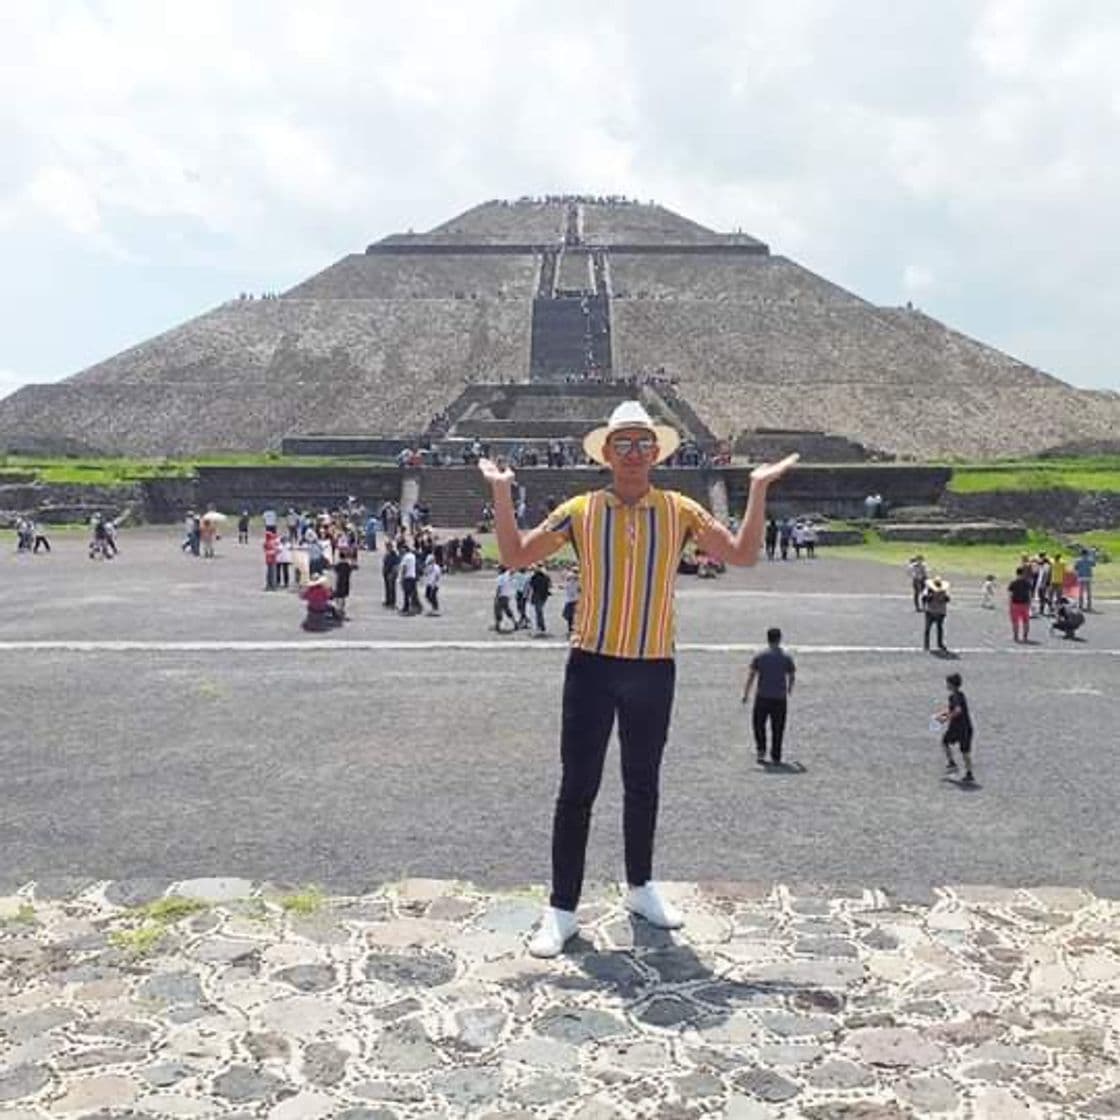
774 670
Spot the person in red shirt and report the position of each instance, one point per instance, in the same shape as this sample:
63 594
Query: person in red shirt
317 595
271 548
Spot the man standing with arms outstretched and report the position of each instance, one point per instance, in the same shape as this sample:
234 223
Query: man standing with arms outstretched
629 539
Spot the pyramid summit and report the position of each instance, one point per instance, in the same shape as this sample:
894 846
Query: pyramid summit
542 293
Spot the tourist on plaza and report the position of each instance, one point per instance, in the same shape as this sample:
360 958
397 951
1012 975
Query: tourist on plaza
935 604
571 596
521 597
1068 619
958 728
346 560
771 538
1019 605
774 671
629 539
243 527
785 536
321 613
38 538
284 562
540 588
390 562
271 548
433 573
988 593
1042 583
503 592
1083 568
1058 586
919 573
371 530
410 600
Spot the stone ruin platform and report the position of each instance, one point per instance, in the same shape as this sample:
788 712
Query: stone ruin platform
418 1000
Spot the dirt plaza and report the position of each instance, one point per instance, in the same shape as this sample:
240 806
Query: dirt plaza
251 872
168 718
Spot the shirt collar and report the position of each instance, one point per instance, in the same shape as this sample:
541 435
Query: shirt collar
644 502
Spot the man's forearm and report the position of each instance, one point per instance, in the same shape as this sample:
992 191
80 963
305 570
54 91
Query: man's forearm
748 543
505 525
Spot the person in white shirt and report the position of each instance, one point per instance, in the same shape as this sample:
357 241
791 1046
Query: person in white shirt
284 562
571 596
503 592
432 574
407 575
521 597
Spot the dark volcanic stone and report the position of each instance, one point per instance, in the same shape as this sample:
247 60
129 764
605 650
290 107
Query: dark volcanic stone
308 977
668 1011
243 1083
407 970
324 1063
767 1085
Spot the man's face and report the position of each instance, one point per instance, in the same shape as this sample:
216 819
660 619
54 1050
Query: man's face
631 451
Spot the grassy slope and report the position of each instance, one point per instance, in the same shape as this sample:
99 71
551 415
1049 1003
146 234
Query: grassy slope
1089 473
111 472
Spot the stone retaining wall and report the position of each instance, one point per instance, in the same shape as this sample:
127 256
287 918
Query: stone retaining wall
1057 509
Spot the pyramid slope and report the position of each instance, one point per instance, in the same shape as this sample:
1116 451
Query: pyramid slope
405 276
381 341
893 380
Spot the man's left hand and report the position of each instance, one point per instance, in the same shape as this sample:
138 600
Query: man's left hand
771 472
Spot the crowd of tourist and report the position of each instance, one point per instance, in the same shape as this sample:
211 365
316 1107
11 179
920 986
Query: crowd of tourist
1042 586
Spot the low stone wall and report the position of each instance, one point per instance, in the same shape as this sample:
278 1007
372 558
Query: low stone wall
840 491
1057 509
56 503
982 532
258 488
381 447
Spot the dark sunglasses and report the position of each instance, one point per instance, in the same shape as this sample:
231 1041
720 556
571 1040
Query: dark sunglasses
623 445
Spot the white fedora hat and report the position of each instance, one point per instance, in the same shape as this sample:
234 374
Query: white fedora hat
631 414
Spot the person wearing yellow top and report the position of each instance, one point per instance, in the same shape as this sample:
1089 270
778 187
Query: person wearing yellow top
628 538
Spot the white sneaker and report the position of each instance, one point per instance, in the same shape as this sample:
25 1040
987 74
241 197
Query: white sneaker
556 929
646 901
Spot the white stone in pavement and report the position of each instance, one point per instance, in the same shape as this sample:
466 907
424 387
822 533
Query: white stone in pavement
543 1053
174 1104
213 890
404 933
991 1103
744 1108
305 1105
894 1046
303 1016
92 1094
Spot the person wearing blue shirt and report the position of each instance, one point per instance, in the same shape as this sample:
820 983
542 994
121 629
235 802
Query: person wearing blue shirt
1083 567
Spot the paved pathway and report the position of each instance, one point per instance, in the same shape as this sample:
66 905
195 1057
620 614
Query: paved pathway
223 998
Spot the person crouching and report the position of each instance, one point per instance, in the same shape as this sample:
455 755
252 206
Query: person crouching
321 613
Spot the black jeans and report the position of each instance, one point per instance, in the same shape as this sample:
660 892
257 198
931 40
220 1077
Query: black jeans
938 621
538 611
774 711
596 689
390 581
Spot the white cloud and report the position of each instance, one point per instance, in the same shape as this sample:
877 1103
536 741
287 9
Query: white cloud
881 143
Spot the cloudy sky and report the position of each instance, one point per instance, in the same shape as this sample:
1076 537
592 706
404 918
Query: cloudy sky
158 158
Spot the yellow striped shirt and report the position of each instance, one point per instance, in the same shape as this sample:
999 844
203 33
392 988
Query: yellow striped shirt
628 557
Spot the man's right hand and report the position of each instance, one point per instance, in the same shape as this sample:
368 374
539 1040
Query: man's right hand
495 472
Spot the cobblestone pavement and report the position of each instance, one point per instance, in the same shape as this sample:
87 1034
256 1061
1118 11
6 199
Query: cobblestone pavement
221 997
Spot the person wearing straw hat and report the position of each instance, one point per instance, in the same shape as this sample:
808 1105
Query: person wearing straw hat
935 603
628 539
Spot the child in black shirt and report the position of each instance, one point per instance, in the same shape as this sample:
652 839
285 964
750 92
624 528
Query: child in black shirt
958 727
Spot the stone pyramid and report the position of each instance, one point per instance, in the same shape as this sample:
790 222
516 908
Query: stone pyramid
555 289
